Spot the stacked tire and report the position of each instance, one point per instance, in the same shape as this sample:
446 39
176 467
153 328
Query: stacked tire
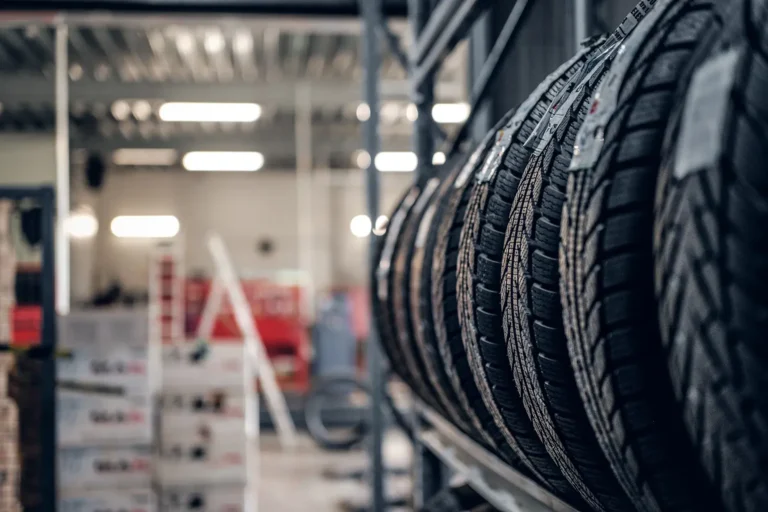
586 293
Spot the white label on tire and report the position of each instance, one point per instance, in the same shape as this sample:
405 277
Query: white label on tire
505 136
589 141
705 110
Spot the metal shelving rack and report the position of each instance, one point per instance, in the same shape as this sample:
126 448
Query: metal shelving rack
44 480
504 487
440 450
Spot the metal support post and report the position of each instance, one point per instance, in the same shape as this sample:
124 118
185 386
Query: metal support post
479 48
48 441
491 67
422 95
305 204
372 63
428 478
583 15
393 44
62 169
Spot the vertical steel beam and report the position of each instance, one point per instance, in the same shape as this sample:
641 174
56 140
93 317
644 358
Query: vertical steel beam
372 63
62 170
479 49
427 468
422 96
48 442
583 16
304 194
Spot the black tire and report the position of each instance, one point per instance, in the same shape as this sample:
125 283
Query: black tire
710 257
382 285
533 320
444 303
606 272
320 393
421 304
479 274
401 300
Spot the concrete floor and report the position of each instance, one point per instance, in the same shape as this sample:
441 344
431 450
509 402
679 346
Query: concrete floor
294 481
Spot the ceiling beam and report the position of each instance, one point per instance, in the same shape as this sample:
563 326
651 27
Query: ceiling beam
286 7
326 141
330 25
20 89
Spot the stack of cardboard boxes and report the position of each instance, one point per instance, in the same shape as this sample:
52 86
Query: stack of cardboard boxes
25 389
10 472
202 444
7 271
105 418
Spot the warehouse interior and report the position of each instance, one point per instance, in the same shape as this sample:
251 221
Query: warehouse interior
374 255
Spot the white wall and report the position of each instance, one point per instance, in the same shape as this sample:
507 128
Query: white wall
243 208
26 160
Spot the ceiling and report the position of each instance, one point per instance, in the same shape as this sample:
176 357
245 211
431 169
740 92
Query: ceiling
120 74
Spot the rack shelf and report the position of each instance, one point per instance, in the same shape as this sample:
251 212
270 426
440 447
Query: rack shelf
502 486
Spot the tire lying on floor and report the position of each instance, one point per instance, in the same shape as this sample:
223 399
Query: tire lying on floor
421 304
711 242
447 331
606 268
479 274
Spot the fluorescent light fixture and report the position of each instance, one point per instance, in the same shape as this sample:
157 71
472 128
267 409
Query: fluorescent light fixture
396 161
210 112
390 112
185 42
121 110
362 159
450 112
360 226
142 110
363 112
82 224
148 157
242 42
214 42
145 226
411 112
242 161
381 225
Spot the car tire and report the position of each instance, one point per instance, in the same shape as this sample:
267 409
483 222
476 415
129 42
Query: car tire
606 268
479 275
711 269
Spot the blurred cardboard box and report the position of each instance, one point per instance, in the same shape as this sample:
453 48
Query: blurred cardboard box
10 476
203 499
120 366
211 430
129 500
213 402
112 328
100 468
218 365
87 419
202 452
9 418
